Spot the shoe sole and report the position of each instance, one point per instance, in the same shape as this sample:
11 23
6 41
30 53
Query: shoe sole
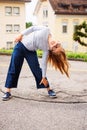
6 99
52 96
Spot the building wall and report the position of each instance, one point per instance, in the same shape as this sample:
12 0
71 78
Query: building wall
55 22
40 18
10 20
67 38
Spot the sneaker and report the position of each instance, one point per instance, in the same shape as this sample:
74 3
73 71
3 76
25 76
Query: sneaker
52 93
6 96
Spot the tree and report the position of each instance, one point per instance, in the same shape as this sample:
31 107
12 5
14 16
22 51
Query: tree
28 24
80 33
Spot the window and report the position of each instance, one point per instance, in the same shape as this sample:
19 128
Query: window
12 10
76 9
64 27
9 28
45 13
16 28
75 22
74 26
16 10
8 10
9 45
64 5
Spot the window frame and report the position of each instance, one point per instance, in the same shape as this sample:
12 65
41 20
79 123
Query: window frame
64 28
9 44
9 26
16 25
45 12
14 11
8 13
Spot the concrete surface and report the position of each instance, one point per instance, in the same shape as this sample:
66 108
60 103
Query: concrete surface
73 89
32 109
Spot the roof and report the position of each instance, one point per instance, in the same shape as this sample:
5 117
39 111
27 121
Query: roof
17 0
78 7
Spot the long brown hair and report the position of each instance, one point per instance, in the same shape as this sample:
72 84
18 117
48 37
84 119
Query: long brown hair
58 60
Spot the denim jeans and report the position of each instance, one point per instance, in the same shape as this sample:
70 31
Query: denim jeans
20 52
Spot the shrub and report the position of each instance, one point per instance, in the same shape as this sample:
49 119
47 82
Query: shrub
77 56
70 55
6 52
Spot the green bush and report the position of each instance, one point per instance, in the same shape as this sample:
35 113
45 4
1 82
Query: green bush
4 51
70 55
78 56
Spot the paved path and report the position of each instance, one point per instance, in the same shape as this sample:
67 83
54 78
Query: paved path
69 90
18 114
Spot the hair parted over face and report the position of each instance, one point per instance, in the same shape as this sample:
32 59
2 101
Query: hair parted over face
57 58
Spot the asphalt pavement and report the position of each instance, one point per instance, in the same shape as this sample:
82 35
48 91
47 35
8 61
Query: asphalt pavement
32 109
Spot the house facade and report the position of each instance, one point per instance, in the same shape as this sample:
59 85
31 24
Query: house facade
62 16
12 21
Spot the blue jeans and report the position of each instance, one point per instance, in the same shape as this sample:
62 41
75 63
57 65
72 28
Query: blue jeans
20 52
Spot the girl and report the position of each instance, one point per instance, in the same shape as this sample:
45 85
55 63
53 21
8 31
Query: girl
28 41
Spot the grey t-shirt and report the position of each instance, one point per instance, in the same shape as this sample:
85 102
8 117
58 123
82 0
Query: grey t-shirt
36 37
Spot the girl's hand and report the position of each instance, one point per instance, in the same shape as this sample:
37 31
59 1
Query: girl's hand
44 81
18 38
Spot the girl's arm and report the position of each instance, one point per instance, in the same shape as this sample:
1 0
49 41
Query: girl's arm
44 68
32 29
44 63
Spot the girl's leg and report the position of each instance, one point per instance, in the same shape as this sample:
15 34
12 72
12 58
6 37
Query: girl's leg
15 67
32 60
14 70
